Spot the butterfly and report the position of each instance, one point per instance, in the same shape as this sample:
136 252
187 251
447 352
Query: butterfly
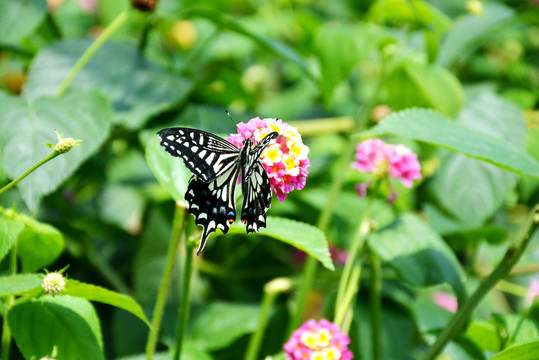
216 165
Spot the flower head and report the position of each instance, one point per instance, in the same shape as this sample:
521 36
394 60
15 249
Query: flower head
284 159
322 340
386 160
533 292
446 301
53 283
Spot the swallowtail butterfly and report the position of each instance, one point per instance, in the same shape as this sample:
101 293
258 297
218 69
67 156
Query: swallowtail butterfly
216 165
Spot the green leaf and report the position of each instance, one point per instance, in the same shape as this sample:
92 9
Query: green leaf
18 284
425 85
10 228
39 245
19 18
221 324
434 128
136 88
298 234
123 206
84 115
105 296
68 324
167 169
228 22
340 48
470 31
150 258
485 335
526 350
470 190
418 254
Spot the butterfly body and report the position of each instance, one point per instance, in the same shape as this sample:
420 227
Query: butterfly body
216 165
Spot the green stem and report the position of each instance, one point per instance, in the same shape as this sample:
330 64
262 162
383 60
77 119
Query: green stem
347 284
92 49
511 257
51 156
376 306
271 290
160 302
349 297
6 333
309 270
184 301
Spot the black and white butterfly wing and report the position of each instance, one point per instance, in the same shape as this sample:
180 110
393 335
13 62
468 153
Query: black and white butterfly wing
255 184
213 203
206 155
256 198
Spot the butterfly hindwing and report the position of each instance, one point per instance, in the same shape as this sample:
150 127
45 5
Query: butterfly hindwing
207 156
213 203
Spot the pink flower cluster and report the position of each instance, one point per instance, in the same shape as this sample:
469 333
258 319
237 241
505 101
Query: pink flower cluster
321 340
285 159
386 160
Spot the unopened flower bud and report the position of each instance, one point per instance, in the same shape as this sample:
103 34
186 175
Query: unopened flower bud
144 5
65 144
54 283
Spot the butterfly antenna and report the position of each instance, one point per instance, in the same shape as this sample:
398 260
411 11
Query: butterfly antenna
236 125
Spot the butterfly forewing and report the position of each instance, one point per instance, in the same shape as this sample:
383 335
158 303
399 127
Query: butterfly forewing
207 156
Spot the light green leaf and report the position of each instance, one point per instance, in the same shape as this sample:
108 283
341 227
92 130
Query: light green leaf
340 48
19 18
470 31
105 296
221 324
10 228
426 85
84 116
418 254
434 128
298 234
20 283
167 169
470 190
526 350
136 88
72 327
39 245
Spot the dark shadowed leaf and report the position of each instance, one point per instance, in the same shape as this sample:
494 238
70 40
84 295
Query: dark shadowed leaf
418 254
136 88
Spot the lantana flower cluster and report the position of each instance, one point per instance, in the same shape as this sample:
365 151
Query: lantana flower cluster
386 160
322 340
285 159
